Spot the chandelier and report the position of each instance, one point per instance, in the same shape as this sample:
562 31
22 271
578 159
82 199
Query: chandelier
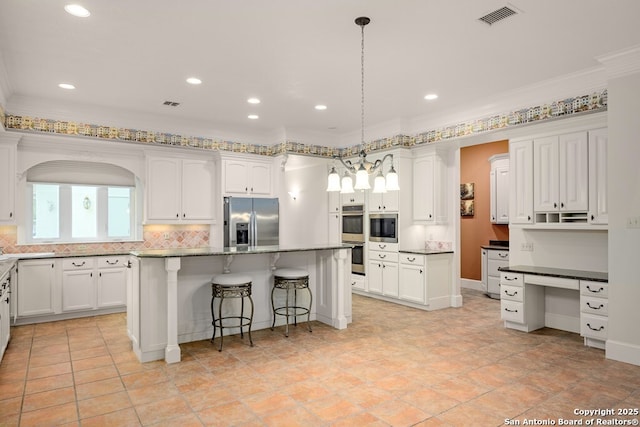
363 168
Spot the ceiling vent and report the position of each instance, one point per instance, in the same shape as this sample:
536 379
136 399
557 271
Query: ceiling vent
497 15
171 103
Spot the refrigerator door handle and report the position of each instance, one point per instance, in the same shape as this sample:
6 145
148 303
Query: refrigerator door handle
253 229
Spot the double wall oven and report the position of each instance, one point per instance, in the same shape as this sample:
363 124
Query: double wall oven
353 232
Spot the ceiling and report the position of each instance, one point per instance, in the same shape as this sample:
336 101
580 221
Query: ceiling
293 54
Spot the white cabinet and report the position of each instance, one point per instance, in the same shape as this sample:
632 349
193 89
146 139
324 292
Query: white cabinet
413 286
111 287
7 183
78 284
521 305
492 260
355 198
5 311
383 269
334 224
179 190
430 189
594 313
358 282
384 202
334 202
246 177
521 182
499 189
36 285
561 177
598 203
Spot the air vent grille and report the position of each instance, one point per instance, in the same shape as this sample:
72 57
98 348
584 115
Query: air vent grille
497 15
171 103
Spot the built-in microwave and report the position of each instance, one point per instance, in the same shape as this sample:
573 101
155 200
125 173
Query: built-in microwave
383 228
353 223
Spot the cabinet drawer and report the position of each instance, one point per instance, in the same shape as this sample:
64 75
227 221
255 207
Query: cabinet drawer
77 263
593 305
383 256
494 264
594 289
593 326
513 293
412 259
383 246
513 279
499 255
112 261
512 311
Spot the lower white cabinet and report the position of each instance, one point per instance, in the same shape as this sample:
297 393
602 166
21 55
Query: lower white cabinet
78 284
383 269
594 313
357 282
5 311
492 260
112 280
36 285
413 286
520 303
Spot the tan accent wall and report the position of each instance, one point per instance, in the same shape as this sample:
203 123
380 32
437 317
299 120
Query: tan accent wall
477 230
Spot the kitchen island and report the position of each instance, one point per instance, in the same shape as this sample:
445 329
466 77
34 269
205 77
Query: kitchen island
169 291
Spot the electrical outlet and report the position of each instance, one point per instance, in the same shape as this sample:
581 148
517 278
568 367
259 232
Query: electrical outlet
166 236
633 222
527 247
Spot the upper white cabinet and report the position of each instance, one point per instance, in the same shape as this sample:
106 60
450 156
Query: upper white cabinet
355 198
384 202
598 211
179 190
561 177
499 189
246 177
430 188
7 182
521 182
334 202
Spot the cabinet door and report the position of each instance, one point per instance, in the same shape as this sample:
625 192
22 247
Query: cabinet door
598 204
197 190
78 290
412 284
334 202
335 236
355 198
36 281
376 202
375 277
112 287
574 172
391 201
423 182
163 189
390 279
260 179
500 195
521 182
7 183
236 177
484 269
546 178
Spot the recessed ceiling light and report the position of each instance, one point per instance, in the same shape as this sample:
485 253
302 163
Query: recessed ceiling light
431 97
253 101
320 107
194 81
253 116
66 86
77 10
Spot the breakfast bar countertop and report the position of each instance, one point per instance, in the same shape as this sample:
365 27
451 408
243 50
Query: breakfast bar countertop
211 250
595 276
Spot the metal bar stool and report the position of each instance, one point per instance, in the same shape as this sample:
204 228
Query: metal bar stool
291 279
231 285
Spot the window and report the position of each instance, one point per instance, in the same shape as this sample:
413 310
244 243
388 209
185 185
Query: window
81 213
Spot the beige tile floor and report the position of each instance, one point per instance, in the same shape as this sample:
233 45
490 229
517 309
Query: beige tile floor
393 366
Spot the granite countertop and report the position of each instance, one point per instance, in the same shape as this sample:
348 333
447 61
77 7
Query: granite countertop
595 276
424 251
495 247
206 251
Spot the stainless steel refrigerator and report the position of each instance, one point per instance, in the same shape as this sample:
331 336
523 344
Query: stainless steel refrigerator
251 222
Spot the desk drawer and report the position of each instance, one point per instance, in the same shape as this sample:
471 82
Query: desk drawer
594 289
513 293
383 256
512 310
593 326
512 279
599 306
493 264
499 255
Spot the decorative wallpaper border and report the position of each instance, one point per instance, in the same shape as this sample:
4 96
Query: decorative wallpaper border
596 101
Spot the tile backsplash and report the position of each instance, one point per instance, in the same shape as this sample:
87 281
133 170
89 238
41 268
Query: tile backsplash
154 237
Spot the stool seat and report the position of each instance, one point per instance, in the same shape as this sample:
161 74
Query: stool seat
290 273
230 279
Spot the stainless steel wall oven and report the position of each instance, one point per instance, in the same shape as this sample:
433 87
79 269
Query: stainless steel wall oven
353 223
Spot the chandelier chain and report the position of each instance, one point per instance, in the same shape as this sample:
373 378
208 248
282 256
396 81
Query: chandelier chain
362 86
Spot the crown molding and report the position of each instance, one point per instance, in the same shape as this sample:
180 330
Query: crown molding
621 63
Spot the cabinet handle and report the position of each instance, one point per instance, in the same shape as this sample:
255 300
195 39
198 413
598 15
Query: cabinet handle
246 188
129 264
420 271
382 246
503 255
10 214
51 265
100 274
77 265
510 278
429 216
555 205
177 215
184 215
252 189
596 291
91 275
384 266
384 208
510 295
593 307
592 217
493 218
595 329
562 205
510 311
410 259
112 263
383 256
353 283
528 217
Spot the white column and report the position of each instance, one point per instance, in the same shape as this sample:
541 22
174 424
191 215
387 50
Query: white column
340 319
172 351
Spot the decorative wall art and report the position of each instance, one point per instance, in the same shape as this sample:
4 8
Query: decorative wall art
466 191
466 207
466 199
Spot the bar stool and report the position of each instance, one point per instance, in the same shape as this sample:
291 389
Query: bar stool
230 285
291 279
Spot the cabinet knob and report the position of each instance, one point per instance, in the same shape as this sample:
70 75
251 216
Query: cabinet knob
555 205
177 215
592 217
528 217
562 205
420 271
10 214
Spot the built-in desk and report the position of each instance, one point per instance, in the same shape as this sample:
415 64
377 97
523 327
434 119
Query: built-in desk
572 300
